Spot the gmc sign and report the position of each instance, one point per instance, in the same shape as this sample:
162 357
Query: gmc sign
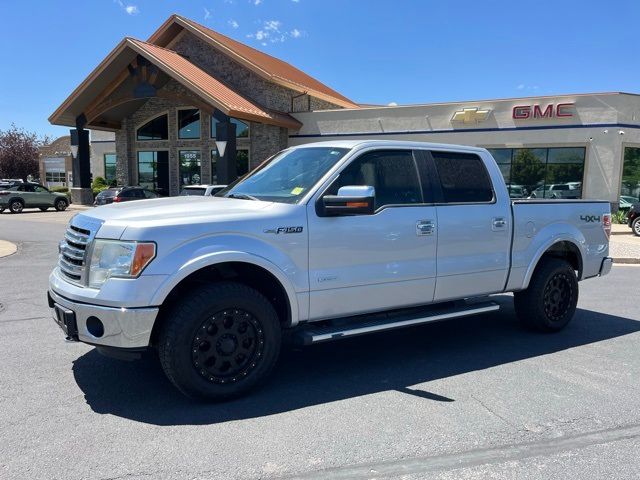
522 112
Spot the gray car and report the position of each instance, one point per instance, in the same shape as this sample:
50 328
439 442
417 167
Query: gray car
31 195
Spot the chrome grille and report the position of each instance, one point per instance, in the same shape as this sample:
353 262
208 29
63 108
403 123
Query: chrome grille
72 253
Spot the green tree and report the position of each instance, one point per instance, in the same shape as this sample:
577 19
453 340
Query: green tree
526 169
19 153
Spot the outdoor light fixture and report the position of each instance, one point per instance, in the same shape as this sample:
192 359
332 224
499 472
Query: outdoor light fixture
74 142
221 145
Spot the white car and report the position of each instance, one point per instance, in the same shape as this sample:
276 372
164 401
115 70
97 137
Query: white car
201 190
323 242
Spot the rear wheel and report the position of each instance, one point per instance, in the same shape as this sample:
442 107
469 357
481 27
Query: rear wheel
220 341
61 204
635 226
16 206
550 301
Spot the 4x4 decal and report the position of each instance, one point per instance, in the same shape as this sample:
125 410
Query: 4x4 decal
590 218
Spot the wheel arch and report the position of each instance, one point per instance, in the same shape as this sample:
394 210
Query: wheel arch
264 278
564 247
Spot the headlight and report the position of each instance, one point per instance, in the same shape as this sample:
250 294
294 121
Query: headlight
113 258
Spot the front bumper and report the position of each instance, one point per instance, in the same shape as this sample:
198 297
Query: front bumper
121 327
606 265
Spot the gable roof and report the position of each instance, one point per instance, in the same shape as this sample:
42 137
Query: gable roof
212 91
268 67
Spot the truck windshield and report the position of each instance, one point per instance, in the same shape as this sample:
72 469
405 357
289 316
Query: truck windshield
288 176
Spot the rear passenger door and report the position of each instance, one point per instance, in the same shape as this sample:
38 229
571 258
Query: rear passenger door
473 227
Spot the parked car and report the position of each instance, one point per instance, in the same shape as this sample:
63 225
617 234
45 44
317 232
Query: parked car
123 194
325 241
201 190
556 191
626 202
31 195
633 218
517 191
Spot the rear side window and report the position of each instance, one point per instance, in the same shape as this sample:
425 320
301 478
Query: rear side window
463 177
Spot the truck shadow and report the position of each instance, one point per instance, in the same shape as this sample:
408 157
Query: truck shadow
334 371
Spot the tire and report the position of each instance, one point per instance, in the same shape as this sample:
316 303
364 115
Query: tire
549 303
635 226
44 209
220 341
1 209
16 206
61 205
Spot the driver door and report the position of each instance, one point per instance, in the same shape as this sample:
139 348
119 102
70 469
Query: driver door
366 263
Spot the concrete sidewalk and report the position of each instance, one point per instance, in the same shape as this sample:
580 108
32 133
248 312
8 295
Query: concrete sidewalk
7 248
624 246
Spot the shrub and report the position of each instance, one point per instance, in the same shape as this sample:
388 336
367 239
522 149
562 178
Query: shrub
619 217
60 189
99 184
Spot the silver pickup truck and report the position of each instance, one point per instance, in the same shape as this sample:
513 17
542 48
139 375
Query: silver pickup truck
326 241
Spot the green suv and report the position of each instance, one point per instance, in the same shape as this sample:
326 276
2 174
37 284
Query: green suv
31 195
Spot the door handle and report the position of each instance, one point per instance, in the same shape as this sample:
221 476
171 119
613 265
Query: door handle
425 227
499 223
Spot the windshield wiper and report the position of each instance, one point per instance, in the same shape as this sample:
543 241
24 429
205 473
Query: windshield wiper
241 196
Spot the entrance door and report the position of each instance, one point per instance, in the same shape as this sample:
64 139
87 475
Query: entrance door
363 263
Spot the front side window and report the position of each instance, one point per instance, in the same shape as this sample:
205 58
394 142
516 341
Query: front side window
189 123
109 167
190 167
242 128
288 176
156 129
463 177
393 174
40 189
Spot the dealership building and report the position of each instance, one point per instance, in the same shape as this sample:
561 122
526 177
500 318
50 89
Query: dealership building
190 105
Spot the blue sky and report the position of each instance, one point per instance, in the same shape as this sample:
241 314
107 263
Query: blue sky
374 51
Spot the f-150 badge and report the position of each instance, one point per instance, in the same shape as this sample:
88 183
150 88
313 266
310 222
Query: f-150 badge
280 230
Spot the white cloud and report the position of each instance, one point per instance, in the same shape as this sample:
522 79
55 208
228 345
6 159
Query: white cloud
272 25
520 87
530 88
207 13
131 10
257 2
233 24
271 32
295 33
295 1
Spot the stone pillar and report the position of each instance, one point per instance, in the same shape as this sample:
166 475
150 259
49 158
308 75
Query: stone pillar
81 190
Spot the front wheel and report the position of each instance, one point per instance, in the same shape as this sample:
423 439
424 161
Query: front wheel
635 226
16 206
61 205
220 341
550 301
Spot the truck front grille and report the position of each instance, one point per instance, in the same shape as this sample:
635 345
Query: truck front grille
72 253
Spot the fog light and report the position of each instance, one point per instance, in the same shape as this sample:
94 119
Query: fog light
95 327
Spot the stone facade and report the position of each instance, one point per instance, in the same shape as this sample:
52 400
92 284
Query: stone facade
264 140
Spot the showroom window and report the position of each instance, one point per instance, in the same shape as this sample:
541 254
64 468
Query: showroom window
631 174
55 177
554 173
156 129
190 173
109 167
189 123
153 171
242 128
242 164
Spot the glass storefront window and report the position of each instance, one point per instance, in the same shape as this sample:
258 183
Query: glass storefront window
631 174
156 129
542 172
189 123
153 171
242 128
190 173
109 167
242 164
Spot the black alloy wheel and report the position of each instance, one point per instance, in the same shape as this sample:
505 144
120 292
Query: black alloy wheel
227 346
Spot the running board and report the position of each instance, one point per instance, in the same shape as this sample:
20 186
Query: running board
350 327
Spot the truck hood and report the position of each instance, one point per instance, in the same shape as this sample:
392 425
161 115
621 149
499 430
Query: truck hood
115 218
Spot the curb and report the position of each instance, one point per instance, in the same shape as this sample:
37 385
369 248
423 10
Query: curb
626 261
7 248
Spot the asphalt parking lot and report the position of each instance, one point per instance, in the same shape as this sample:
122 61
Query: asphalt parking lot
471 398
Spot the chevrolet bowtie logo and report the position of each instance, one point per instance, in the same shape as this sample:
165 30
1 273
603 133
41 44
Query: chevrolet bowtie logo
470 115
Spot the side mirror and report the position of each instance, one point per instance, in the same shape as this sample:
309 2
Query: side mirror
351 200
